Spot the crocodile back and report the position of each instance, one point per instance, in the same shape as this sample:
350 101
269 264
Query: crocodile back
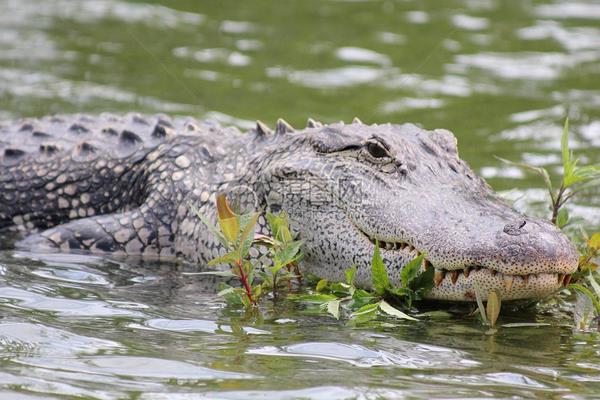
59 168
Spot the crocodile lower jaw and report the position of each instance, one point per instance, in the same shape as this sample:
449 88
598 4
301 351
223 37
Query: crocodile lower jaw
461 284
455 285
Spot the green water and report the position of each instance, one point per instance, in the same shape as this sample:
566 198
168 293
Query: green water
502 75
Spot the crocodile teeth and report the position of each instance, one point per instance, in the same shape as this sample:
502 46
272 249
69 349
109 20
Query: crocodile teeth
426 264
357 121
508 280
454 276
438 277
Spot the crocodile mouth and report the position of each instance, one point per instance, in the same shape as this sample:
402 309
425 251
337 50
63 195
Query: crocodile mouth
461 283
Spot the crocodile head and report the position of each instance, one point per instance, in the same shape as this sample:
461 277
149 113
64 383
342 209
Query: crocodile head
350 186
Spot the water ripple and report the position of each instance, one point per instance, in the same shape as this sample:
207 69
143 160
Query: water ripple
527 65
133 367
67 307
570 9
197 325
360 55
23 338
330 78
17 12
406 355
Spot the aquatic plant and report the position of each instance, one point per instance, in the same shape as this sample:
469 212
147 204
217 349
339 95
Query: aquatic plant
236 233
361 305
574 180
278 268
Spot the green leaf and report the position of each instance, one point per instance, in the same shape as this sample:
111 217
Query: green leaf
480 303
228 221
248 224
333 308
249 270
279 225
360 293
232 296
225 291
350 274
264 240
322 284
213 229
313 298
277 267
589 172
267 280
573 178
423 283
366 309
588 293
594 241
229 258
340 289
257 291
388 309
226 274
594 284
492 309
358 302
400 292
379 275
288 253
246 300
411 270
562 218
588 176
365 313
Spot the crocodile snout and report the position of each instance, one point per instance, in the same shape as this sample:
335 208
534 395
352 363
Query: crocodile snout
515 228
534 246
523 259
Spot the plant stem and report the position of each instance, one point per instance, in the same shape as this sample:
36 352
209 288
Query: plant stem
297 272
244 280
557 203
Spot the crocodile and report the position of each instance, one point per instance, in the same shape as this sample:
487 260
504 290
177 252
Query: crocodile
127 184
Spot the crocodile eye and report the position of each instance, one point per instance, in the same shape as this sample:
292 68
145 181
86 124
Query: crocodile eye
377 150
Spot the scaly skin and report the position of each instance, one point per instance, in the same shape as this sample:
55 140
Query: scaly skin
125 184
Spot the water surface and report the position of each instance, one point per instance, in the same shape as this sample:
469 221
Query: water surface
502 75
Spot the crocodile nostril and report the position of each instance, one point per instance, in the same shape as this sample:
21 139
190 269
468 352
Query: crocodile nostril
515 228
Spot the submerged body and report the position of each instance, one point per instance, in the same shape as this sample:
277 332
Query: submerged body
125 185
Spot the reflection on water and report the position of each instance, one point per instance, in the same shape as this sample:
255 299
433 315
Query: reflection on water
109 329
501 75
